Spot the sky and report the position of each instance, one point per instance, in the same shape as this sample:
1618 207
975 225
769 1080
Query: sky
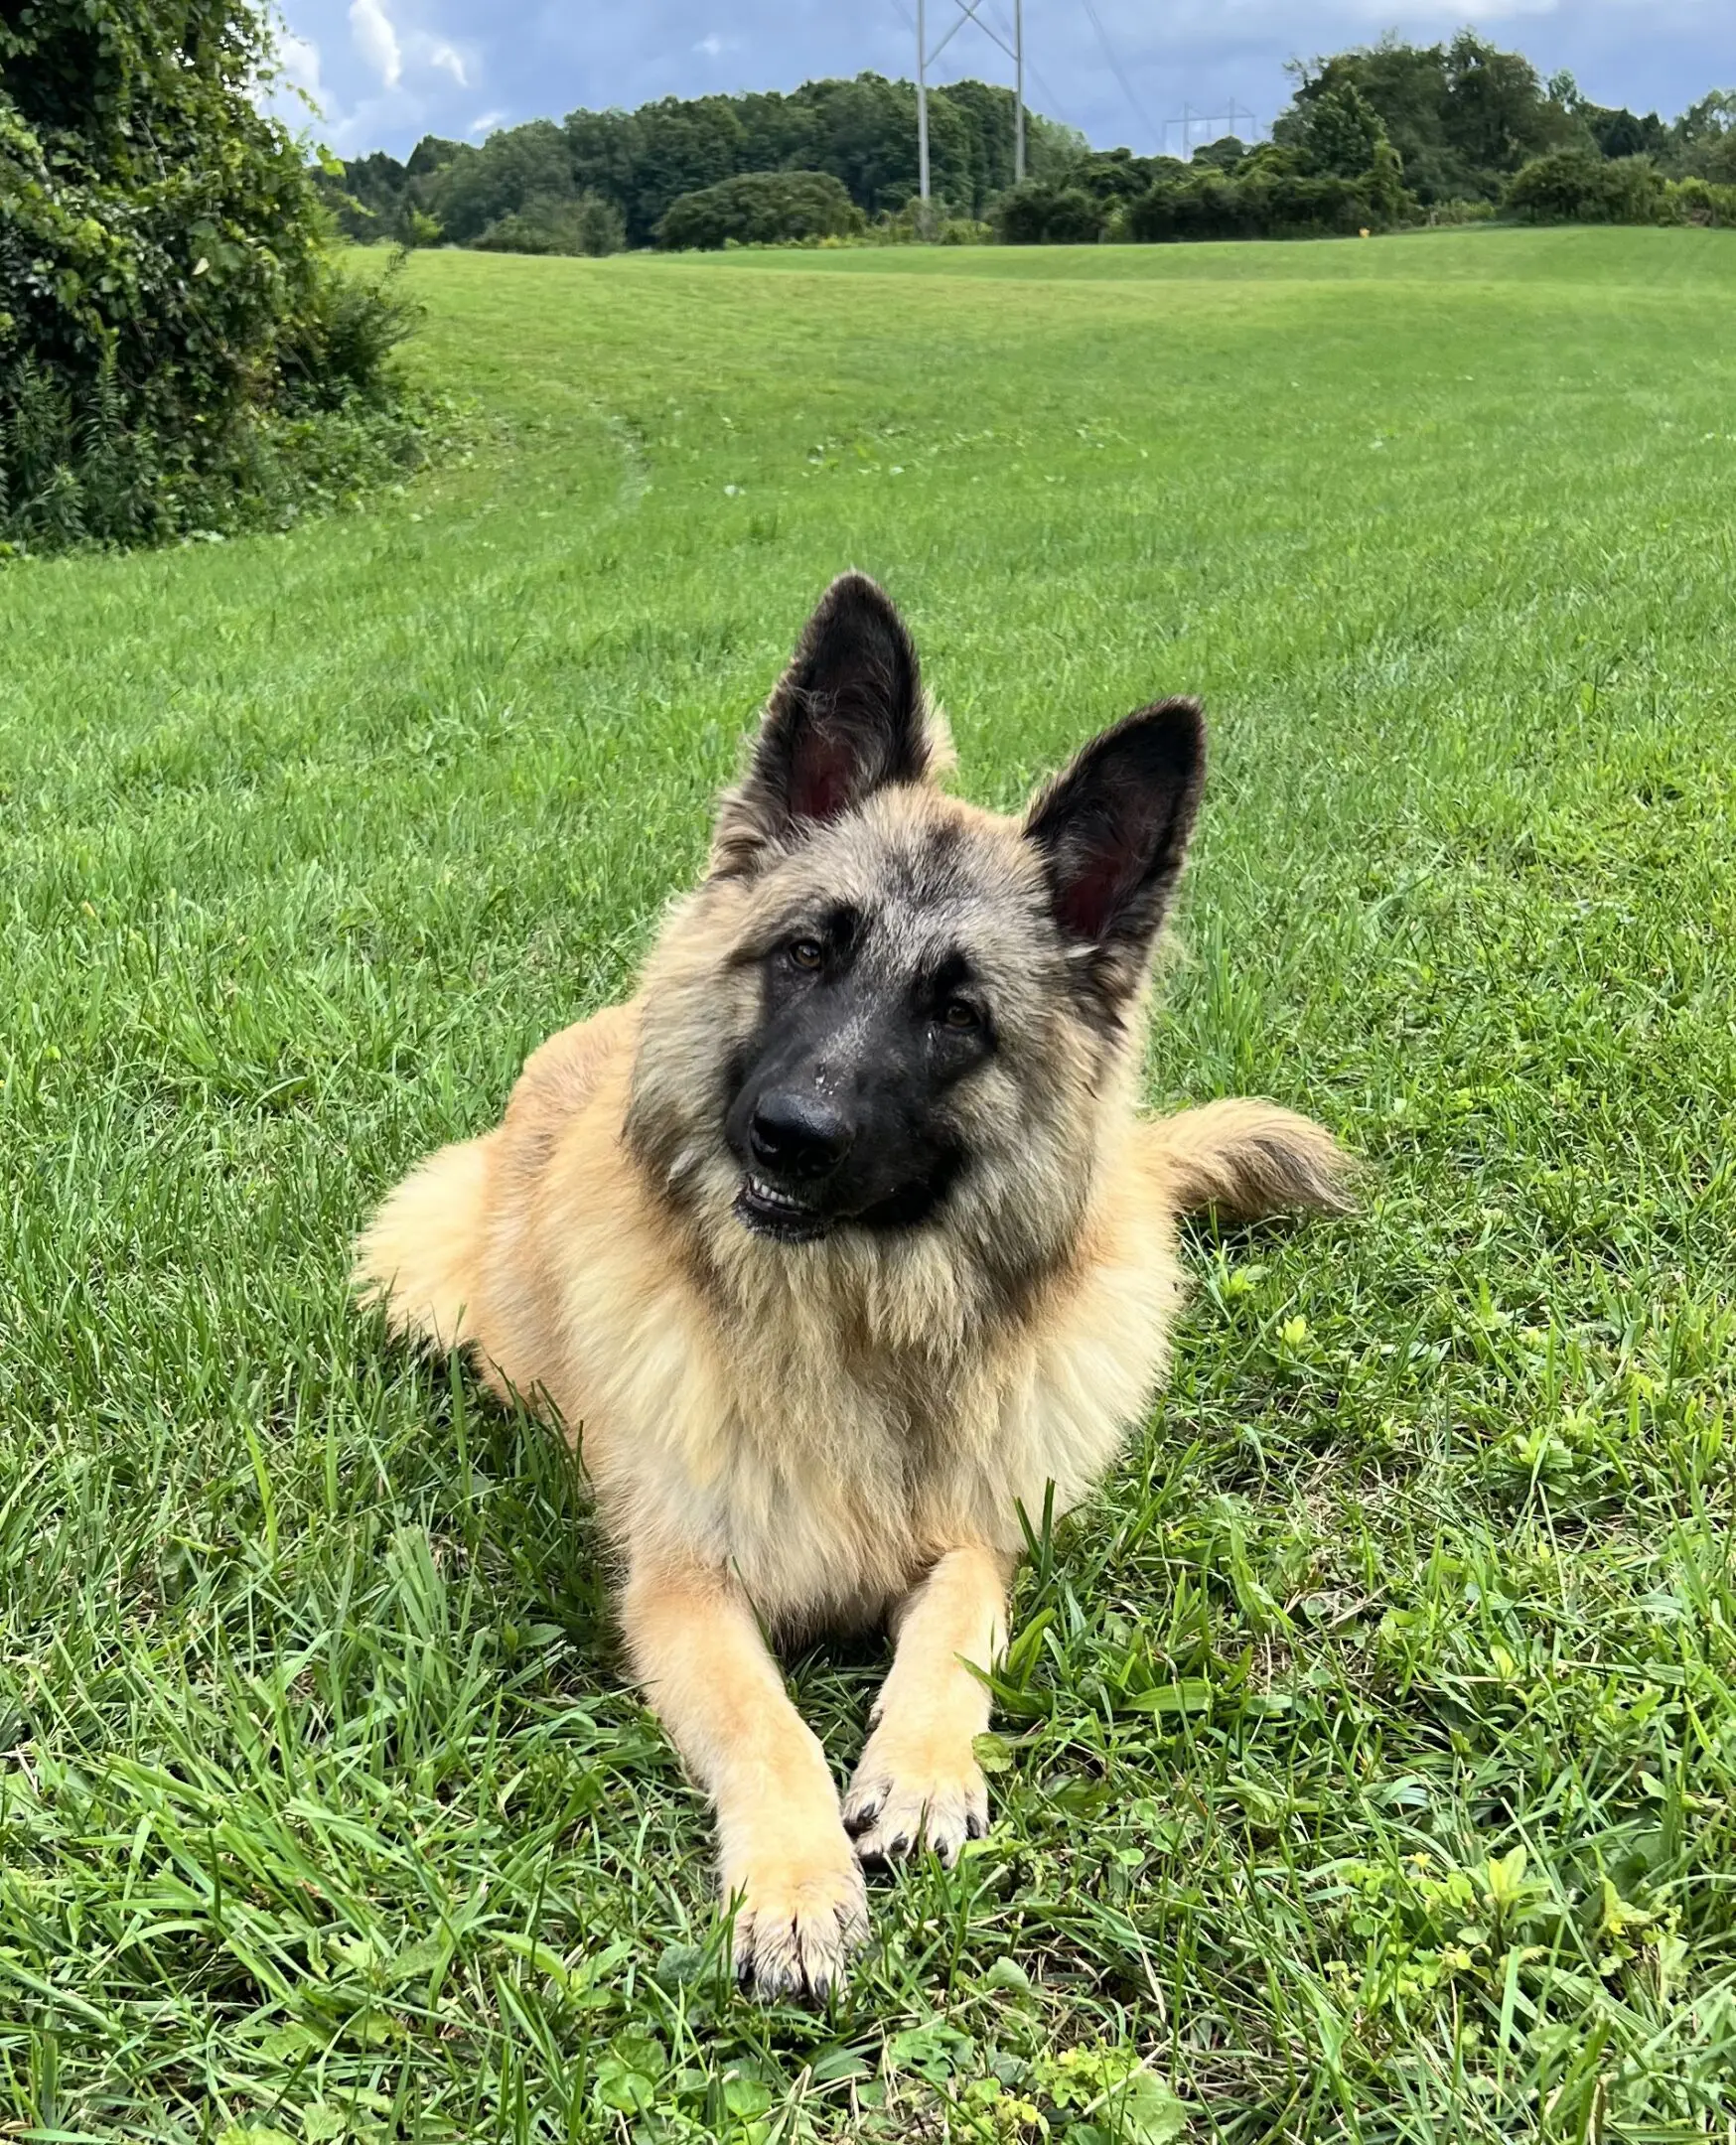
384 72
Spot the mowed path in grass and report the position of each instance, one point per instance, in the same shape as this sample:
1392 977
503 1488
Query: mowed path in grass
1367 1759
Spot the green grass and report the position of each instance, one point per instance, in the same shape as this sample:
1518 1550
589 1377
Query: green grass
1370 1754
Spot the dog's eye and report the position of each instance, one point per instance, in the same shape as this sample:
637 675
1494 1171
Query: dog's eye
807 954
960 1015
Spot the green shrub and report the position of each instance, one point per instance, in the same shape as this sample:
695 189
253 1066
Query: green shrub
1702 200
548 223
1266 203
1223 154
935 223
761 209
1047 211
1446 213
1275 190
167 288
1574 186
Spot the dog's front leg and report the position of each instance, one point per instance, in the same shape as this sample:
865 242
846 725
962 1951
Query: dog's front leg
919 1780
783 1851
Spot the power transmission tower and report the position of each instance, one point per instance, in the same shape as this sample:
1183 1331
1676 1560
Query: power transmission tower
1191 120
968 12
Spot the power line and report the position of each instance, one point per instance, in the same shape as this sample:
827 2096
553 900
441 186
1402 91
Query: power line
1188 119
1120 72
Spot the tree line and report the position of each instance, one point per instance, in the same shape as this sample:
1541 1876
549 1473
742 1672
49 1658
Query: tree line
1382 135
596 182
1396 133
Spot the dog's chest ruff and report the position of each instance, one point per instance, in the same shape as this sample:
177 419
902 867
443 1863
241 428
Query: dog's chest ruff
827 1471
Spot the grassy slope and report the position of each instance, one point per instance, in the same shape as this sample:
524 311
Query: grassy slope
323 1807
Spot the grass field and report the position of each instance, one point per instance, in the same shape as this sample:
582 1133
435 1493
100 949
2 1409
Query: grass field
1368 1762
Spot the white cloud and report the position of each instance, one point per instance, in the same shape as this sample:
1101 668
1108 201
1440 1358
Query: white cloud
714 47
452 60
370 27
486 123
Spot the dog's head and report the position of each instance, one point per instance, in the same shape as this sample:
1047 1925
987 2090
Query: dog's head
885 1010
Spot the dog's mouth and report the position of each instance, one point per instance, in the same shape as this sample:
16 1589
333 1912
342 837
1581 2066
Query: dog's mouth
779 1215
769 1212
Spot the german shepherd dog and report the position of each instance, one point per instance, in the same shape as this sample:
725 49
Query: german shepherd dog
841 1244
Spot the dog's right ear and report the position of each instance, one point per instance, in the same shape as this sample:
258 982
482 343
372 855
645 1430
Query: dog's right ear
845 720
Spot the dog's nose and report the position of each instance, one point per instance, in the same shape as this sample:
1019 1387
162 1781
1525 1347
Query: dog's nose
798 1135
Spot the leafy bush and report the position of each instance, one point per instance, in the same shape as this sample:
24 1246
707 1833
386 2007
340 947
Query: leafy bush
1573 186
1043 212
1268 197
549 225
166 287
1224 155
1272 191
761 209
943 222
1279 206
1702 200
1447 212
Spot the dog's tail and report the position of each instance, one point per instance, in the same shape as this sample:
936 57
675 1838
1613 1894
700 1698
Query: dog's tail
420 1257
1248 1160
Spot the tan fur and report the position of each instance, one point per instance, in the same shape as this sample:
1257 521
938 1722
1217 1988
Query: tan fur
1247 1159
828 1434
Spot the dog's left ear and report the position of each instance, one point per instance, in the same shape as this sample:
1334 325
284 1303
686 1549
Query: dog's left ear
845 720
1112 830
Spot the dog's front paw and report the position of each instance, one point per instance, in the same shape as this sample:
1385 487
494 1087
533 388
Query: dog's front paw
915 1791
800 1913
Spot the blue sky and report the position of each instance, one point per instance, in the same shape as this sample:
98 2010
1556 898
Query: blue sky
386 71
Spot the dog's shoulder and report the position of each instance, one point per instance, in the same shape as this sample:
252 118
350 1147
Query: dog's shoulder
565 1071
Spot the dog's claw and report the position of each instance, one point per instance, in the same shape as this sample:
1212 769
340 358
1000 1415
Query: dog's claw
894 1806
795 1927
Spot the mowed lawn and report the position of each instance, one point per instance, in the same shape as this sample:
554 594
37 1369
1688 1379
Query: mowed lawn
1367 1762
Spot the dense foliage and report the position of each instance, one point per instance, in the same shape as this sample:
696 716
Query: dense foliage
1373 138
761 209
1338 174
1464 117
554 223
177 347
1571 185
862 133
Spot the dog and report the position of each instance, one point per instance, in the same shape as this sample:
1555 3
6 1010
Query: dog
843 1244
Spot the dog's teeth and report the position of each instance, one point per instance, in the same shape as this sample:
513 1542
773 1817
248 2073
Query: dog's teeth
769 1196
